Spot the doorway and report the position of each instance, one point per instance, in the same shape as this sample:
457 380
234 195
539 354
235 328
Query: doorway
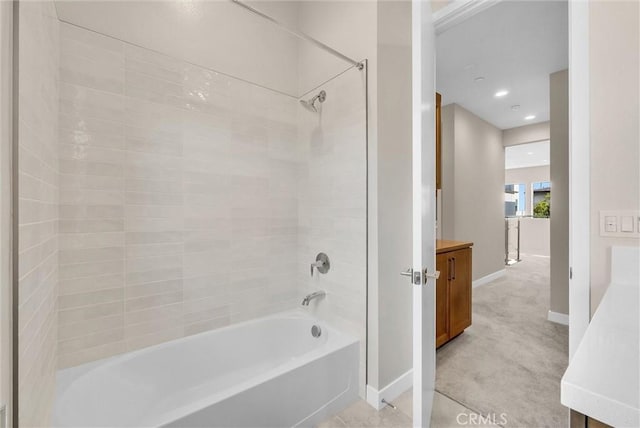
502 74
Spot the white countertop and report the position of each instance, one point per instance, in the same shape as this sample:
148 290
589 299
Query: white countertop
603 378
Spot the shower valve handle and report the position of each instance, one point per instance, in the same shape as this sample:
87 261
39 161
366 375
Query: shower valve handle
317 264
321 263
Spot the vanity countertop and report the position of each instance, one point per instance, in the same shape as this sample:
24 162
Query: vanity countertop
446 245
603 378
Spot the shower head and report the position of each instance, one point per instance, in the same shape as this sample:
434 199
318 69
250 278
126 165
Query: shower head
311 104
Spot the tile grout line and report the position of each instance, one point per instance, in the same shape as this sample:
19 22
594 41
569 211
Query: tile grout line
463 405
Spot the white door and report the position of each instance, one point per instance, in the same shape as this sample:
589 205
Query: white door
424 208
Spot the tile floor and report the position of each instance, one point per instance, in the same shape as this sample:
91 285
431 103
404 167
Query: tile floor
446 413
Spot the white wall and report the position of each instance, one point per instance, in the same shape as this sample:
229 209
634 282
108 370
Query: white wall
326 22
559 153
615 151
394 189
215 34
476 152
534 232
38 211
526 134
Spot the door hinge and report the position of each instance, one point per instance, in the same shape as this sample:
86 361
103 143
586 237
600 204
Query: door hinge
570 272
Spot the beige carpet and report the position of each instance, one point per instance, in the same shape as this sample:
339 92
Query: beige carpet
511 359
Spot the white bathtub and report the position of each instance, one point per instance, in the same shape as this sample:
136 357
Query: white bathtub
269 372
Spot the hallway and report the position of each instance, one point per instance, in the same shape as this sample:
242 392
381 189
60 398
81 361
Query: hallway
512 358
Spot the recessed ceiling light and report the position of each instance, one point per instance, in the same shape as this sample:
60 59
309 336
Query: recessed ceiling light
545 160
501 93
478 79
529 153
515 107
530 117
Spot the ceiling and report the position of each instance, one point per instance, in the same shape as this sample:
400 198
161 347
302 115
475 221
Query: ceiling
527 155
514 46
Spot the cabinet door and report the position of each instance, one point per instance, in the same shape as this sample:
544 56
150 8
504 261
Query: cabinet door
442 299
460 291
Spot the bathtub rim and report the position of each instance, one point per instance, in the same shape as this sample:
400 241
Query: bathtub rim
336 340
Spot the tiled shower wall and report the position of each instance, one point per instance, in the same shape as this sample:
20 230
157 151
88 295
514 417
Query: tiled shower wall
333 205
178 199
38 210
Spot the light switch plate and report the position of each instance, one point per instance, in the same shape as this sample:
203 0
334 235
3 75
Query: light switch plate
620 223
626 223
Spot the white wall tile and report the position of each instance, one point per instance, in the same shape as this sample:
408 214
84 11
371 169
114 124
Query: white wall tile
84 270
38 206
84 313
90 255
332 205
97 71
87 327
90 225
70 346
90 38
84 284
91 354
172 311
152 288
90 103
69 301
188 199
82 167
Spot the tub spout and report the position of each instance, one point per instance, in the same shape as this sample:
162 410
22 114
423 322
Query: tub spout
309 297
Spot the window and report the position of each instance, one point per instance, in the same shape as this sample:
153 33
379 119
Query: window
541 200
514 200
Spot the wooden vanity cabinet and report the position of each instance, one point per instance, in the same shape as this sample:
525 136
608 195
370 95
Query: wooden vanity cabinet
453 289
442 300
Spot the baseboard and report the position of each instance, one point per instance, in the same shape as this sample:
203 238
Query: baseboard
558 318
545 256
487 279
389 392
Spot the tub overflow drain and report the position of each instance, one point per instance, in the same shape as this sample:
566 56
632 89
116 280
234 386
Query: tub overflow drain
316 331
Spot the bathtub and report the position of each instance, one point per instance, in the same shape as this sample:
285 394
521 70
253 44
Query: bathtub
270 372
